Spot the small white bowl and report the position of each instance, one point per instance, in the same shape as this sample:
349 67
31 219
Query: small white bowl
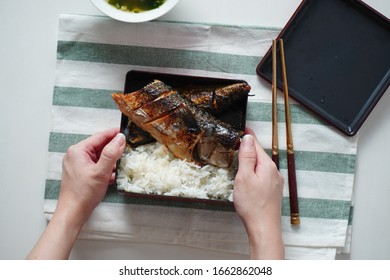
120 15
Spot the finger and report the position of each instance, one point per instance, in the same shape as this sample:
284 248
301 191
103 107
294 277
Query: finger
259 148
249 130
247 155
110 154
98 141
112 179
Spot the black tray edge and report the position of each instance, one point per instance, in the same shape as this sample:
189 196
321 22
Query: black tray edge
348 132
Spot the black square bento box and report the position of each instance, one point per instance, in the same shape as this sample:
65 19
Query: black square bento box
338 60
236 116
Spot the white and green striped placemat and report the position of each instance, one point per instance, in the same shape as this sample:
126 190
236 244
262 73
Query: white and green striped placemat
95 53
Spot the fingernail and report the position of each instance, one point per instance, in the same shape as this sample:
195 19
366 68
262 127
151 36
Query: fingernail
247 141
119 139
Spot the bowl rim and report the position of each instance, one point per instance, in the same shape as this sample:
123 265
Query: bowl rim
124 16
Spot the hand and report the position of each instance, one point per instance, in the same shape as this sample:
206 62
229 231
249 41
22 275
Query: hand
258 190
87 170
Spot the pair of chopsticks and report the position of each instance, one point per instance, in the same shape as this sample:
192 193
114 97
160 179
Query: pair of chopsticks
292 181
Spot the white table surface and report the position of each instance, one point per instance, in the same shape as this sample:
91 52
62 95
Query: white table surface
28 38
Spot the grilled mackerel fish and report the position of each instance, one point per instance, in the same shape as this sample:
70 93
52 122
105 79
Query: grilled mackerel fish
189 132
214 99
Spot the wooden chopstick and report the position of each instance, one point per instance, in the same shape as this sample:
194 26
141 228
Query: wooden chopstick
292 181
275 142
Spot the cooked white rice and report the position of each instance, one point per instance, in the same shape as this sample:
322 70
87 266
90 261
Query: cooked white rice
152 169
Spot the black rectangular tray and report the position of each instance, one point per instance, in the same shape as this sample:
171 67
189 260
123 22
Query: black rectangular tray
338 60
236 116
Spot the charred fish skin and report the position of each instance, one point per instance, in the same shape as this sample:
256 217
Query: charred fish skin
215 99
177 131
224 133
136 136
167 121
137 98
229 95
187 131
220 136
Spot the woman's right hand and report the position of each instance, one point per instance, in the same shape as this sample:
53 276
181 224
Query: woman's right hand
257 195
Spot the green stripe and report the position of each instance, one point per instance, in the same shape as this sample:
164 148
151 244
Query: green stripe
350 215
260 111
83 97
309 208
157 57
52 191
60 142
236 26
319 161
99 98
311 161
319 208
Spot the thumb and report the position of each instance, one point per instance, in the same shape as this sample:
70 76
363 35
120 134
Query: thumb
247 156
110 154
